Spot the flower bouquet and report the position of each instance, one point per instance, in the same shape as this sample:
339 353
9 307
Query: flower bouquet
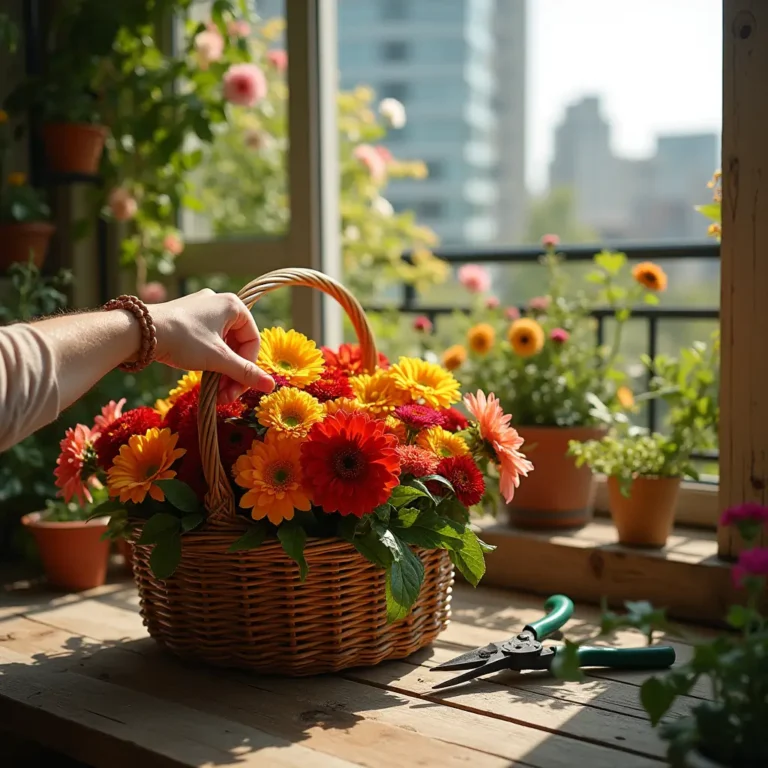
308 529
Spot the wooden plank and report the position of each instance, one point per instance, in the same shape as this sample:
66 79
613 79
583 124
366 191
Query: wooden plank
744 254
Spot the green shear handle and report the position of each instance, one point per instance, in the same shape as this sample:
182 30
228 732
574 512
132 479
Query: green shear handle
560 610
649 657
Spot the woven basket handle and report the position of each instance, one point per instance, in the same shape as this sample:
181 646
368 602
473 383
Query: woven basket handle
220 499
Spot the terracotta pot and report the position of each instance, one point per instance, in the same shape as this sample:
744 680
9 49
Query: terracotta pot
19 241
74 147
125 548
645 518
73 553
557 494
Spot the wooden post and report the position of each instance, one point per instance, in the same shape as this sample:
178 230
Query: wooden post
744 281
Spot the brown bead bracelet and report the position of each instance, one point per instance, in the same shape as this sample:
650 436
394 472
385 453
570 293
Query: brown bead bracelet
148 331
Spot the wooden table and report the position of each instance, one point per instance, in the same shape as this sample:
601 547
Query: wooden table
79 675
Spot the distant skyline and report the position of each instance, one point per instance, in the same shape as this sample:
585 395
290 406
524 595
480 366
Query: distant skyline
656 67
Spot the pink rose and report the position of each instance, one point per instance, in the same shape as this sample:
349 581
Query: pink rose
539 303
209 46
474 278
559 335
373 161
173 244
512 313
122 204
752 562
238 28
244 85
422 324
492 302
550 241
278 59
153 293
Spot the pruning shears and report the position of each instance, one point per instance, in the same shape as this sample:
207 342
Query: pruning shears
525 651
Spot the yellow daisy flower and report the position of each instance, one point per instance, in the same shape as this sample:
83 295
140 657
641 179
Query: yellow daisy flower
187 382
442 443
289 412
377 391
271 473
348 404
526 337
162 407
291 355
144 460
426 383
397 428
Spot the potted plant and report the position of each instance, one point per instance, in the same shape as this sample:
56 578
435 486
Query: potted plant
547 367
644 470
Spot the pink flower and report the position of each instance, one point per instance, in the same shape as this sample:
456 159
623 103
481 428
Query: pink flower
422 324
752 562
492 302
173 243
122 204
372 160
750 512
238 28
559 335
76 450
111 412
539 303
244 85
512 313
550 241
209 46
153 293
278 59
384 153
494 429
474 278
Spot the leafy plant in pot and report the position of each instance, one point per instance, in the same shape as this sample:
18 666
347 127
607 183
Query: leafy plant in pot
644 470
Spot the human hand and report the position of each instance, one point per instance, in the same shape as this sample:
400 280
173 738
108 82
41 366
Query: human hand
209 331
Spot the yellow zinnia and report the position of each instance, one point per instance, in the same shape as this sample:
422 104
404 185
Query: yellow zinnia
377 391
143 461
17 179
442 443
289 412
271 473
481 337
526 337
291 355
348 404
425 383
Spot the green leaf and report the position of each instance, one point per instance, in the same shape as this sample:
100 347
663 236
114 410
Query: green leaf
425 491
159 526
439 479
469 558
108 507
710 210
651 298
388 539
610 261
404 579
190 522
371 548
739 616
656 698
486 547
383 513
293 538
251 539
180 495
166 554
405 494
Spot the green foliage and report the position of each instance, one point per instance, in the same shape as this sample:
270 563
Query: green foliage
253 538
21 203
57 511
294 539
33 295
556 211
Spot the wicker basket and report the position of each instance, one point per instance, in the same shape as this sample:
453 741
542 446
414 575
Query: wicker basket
249 609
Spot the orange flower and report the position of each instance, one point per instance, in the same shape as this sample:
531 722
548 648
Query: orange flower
481 337
526 337
77 451
650 275
454 357
625 397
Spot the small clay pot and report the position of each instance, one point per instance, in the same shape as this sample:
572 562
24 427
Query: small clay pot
21 240
646 517
74 147
557 494
74 554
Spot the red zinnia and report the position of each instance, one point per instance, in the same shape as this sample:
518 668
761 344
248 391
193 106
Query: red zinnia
467 480
350 463
116 435
349 359
333 385
454 420
180 410
416 461
418 417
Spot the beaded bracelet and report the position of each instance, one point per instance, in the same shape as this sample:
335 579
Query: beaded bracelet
148 331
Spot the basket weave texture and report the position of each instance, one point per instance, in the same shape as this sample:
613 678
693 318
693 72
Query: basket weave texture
249 609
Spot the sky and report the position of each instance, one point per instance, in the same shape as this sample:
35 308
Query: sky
655 64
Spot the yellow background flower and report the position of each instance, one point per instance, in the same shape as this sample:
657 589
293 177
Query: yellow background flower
291 355
17 179
481 337
454 357
348 404
289 412
526 337
377 391
625 397
442 443
143 461
425 382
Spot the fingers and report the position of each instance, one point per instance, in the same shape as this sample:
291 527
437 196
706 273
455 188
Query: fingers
242 335
239 374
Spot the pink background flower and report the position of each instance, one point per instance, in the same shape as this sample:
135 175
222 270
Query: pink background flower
475 278
384 153
492 302
209 46
512 313
153 293
70 464
559 335
539 303
423 324
372 160
239 28
752 562
244 85
110 413
550 241
173 243
122 204
278 59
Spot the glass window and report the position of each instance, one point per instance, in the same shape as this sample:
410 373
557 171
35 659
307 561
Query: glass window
394 50
394 10
394 90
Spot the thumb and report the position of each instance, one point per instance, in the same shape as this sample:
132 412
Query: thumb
242 372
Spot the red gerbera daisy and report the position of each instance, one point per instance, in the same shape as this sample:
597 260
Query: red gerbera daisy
462 473
416 461
418 417
133 422
350 463
454 420
349 359
333 385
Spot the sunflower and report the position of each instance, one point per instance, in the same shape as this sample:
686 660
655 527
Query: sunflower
271 474
289 412
650 275
377 391
290 354
425 383
454 357
526 337
144 460
625 397
481 337
442 443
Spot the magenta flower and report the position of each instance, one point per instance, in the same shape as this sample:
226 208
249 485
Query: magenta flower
752 562
550 241
539 303
492 302
475 278
371 158
244 85
512 313
559 335
750 512
422 324
278 59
